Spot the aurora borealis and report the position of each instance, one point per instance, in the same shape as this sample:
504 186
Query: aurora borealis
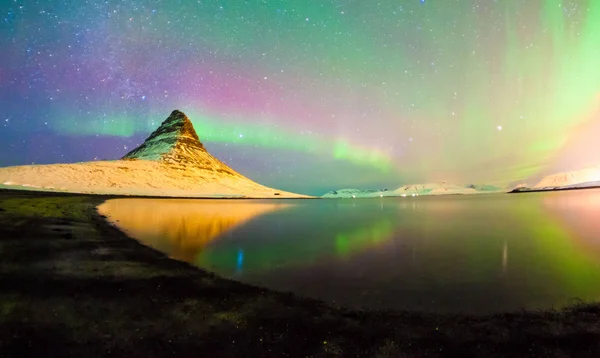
310 95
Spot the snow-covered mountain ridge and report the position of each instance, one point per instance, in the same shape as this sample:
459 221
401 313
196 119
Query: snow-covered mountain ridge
583 178
441 188
569 179
356 193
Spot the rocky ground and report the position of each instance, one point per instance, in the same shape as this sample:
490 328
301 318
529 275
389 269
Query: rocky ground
71 285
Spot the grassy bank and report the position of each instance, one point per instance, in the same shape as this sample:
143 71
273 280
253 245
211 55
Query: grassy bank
71 285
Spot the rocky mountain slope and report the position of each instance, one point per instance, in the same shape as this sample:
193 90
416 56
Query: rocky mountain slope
175 142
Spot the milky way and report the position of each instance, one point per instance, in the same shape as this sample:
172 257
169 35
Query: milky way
310 95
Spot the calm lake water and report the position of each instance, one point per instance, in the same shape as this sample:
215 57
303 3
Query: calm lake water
473 254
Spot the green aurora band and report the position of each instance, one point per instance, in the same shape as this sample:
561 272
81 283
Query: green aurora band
214 130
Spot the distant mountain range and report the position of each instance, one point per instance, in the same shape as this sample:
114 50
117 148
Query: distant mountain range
356 193
441 188
485 188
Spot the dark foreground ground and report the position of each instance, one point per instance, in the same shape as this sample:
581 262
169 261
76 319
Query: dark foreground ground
71 285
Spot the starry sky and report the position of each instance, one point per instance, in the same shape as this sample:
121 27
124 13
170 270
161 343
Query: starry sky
310 95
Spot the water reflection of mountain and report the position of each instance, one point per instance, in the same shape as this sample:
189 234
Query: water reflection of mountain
303 236
299 236
454 253
297 249
181 228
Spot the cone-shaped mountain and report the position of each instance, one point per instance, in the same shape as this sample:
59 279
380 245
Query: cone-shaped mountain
171 163
176 142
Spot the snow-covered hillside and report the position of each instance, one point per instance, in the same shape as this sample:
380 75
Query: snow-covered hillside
171 162
579 178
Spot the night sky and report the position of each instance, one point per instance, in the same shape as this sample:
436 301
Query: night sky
310 95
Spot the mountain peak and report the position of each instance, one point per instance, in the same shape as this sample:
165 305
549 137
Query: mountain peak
178 122
176 142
